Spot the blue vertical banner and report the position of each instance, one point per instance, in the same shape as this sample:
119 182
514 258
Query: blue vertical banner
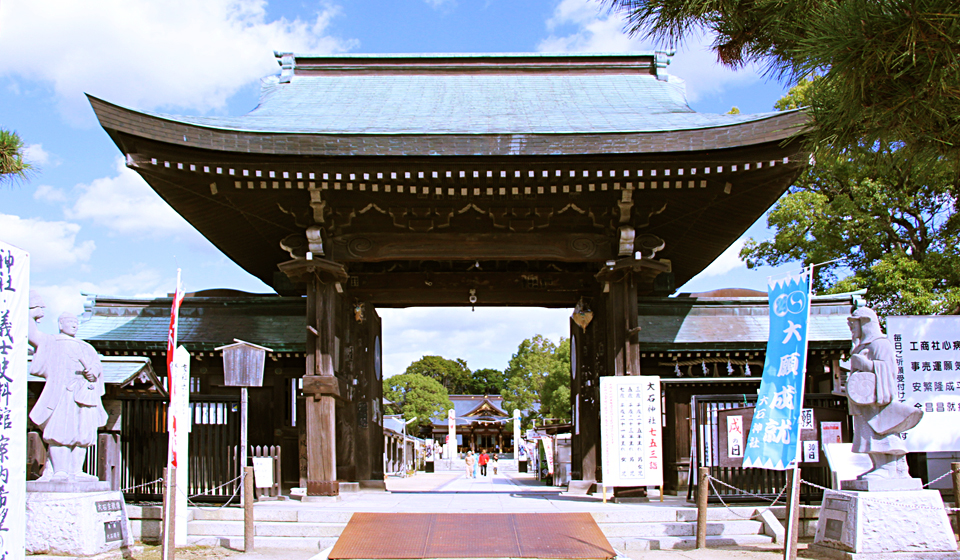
775 432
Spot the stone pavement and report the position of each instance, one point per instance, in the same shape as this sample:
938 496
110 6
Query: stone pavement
452 492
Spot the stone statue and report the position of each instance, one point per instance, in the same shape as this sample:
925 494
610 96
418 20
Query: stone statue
878 417
69 409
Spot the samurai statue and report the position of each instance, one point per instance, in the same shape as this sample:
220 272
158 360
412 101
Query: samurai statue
878 417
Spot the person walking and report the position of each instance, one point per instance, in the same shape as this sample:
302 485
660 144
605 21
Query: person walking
484 459
470 464
495 461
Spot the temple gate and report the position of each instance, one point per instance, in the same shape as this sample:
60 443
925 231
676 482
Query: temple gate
366 181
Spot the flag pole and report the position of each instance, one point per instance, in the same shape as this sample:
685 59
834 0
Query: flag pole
168 550
792 529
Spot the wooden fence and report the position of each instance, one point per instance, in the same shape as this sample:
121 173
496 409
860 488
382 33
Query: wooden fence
763 482
214 437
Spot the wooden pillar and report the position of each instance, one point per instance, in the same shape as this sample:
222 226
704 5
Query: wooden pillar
624 355
368 395
589 359
320 406
621 322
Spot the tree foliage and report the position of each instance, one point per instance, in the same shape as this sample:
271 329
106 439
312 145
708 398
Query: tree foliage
486 381
889 69
415 395
12 164
888 214
454 375
555 396
527 376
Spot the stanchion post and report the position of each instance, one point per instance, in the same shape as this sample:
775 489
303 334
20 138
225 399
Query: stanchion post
792 528
955 474
169 544
248 528
703 483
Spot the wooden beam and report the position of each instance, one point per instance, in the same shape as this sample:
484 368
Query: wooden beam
326 386
377 247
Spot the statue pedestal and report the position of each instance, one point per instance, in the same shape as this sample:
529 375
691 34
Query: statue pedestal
898 523
76 523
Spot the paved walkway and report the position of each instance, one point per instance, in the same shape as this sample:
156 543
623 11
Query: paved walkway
452 492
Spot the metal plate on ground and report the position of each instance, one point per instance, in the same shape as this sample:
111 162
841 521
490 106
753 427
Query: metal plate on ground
471 535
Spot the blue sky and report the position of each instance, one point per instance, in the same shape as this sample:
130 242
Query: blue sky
93 226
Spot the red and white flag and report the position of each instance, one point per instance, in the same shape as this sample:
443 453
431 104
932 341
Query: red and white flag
172 333
171 378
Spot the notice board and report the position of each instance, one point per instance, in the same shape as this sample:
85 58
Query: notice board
631 431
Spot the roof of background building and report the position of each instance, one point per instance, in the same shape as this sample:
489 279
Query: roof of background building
741 323
464 405
205 323
119 370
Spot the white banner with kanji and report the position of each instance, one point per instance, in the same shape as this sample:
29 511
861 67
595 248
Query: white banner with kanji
14 314
927 350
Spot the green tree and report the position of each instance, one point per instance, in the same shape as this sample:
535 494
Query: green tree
12 164
887 214
486 381
555 398
889 68
454 375
527 373
415 395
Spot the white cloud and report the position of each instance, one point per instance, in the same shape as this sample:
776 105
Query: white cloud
440 3
127 205
149 53
48 193
597 30
141 282
486 338
36 155
52 245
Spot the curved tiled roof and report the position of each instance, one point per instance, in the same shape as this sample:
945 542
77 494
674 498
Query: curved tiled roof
470 104
507 104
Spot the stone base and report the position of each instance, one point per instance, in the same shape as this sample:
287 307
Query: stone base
70 487
320 499
373 485
580 487
882 485
820 551
888 524
76 524
630 500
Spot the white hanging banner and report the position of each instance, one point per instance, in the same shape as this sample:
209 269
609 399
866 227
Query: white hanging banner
927 351
630 432
14 314
179 434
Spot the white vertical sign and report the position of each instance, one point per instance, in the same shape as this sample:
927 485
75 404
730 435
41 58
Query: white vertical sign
517 442
180 422
630 432
14 314
735 436
927 351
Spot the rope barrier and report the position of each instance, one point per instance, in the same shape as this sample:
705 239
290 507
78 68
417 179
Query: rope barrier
870 498
756 513
71 497
941 477
859 496
227 503
125 490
